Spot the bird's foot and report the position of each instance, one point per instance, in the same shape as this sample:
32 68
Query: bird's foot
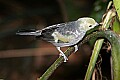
62 54
76 48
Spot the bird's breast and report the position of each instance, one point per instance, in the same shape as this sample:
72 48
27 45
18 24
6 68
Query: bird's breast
65 37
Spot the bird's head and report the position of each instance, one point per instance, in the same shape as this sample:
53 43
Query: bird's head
87 23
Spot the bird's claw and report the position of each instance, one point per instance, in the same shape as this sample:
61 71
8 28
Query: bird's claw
64 56
76 48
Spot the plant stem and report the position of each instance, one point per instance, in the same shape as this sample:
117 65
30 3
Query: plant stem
98 45
114 39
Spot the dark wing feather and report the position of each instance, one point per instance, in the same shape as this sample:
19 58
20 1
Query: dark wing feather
48 31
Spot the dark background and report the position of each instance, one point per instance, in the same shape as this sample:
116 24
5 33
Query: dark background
25 58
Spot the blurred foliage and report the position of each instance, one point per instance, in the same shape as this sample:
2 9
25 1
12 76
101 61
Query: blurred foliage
77 8
99 9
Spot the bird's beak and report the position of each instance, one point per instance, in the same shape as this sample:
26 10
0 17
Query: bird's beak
96 24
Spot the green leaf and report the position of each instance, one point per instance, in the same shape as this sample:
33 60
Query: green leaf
116 26
114 39
117 7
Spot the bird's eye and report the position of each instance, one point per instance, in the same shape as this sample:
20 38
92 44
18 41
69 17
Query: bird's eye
90 26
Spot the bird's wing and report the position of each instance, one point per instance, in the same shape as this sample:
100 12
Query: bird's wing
48 31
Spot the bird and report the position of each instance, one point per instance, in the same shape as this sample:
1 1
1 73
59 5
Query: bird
63 34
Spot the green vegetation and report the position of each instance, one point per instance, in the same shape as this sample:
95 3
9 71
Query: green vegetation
110 20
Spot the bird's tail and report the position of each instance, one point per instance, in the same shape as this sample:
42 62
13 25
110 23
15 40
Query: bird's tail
29 32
